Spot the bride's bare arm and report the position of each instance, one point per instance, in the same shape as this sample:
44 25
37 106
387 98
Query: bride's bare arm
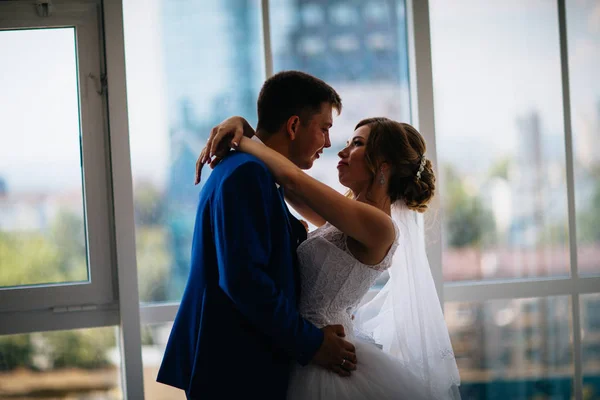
303 209
366 224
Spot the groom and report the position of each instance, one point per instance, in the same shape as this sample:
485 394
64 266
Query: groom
238 330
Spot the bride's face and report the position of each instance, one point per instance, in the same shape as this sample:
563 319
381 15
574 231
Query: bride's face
353 172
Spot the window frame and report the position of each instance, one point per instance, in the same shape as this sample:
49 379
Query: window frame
98 292
115 176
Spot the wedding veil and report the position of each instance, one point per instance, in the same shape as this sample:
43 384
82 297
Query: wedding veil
405 318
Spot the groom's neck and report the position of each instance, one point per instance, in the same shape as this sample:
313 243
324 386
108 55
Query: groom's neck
276 141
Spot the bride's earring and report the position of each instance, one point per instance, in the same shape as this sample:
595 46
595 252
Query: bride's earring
382 179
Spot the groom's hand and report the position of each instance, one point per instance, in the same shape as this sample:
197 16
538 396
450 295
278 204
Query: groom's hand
336 353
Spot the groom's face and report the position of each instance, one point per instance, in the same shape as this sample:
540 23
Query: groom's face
312 137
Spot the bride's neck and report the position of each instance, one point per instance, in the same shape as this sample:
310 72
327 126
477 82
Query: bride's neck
380 199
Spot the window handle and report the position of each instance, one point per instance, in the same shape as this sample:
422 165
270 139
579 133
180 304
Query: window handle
44 8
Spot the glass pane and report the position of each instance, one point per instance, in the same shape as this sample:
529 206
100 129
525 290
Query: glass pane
78 364
500 139
583 23
190 65
357 47
154 342
590 344
42 230
513 349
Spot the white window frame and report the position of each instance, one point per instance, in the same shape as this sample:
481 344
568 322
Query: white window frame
69 305
130 339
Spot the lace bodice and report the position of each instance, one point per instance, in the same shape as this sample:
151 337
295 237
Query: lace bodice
333 280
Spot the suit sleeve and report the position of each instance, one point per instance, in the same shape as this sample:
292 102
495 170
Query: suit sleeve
242 222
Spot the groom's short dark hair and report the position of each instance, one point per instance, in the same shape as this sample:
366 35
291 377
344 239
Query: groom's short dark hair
291 93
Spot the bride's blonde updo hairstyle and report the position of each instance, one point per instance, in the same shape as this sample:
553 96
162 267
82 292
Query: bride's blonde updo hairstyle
403 148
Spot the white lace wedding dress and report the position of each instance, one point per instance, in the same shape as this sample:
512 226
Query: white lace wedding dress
333 283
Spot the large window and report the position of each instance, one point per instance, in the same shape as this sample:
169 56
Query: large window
499 131
517 174
176 94
55 243
56 270
105 105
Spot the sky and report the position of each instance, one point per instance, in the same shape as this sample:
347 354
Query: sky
490 66
39 123
494 64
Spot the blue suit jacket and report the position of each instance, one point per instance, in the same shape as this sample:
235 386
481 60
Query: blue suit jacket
238 329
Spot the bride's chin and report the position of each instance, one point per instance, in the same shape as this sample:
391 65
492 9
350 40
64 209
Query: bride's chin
343 183
347 185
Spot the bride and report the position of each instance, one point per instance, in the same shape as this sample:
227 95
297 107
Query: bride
400 336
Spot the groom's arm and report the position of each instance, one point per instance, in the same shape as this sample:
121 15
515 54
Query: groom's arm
242 222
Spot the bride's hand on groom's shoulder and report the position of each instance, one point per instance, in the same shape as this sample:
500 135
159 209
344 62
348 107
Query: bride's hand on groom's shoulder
223 137
335 353
201 161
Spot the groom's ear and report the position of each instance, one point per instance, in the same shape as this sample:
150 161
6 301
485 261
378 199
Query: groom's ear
292 125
